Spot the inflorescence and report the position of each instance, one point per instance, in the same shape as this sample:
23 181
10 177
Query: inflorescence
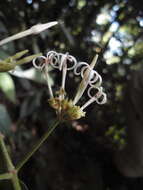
91 81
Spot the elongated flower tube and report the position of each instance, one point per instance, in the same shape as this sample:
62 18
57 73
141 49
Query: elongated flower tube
36 29
64 73
64 66
67 109
99 96
63 62
89 76
42 63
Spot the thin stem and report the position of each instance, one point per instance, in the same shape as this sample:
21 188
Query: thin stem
8 161
15 181
5 176
37 145
90 101
48 81
10 166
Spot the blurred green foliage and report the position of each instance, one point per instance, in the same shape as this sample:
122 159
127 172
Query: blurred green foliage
5 120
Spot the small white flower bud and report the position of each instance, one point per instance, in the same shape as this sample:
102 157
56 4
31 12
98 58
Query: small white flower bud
36 29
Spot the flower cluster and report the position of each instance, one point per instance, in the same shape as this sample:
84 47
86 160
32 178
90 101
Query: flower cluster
67 109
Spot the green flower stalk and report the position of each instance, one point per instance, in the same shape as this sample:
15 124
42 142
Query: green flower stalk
12 173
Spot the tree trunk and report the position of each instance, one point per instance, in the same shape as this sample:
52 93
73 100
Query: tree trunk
129 161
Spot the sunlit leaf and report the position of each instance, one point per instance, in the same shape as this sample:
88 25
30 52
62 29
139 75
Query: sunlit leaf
81 4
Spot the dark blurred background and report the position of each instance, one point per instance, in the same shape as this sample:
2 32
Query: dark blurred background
79 155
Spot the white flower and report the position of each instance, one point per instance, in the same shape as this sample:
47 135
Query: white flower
90 79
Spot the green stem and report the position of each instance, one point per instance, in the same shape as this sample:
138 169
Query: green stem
10 166
8 161
37 145
5 176
15 182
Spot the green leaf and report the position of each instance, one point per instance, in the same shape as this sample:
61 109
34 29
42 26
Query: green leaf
5 120
7 86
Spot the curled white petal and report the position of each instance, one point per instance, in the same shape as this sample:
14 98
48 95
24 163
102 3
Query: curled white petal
72 60
97 94
96 79
57 60
80 66
96 97
53 56
42 65
104 99
62 60
84 69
